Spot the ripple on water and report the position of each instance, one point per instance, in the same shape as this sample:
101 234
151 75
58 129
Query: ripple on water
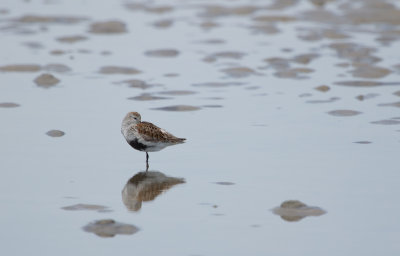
109 70
110 228
179 108
108 27
163 53
344 112
8 105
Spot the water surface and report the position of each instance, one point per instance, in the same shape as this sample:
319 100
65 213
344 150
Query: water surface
279 100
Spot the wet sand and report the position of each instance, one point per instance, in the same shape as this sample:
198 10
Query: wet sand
278 100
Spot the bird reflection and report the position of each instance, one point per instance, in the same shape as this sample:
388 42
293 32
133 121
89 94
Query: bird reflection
294 210
146 186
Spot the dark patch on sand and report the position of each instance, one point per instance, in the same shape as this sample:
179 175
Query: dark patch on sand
386 122
110 70
343 112
58 68
330 100
108 27
322 88
55 133
71 39
365 83
20 68
110 228
136 83
46 80
177 92
86 207
362 142
163 53
147 97
178 108
294 210
393 104
8 105
239 72
225 183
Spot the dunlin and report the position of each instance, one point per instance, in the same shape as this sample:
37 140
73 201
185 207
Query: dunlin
145 136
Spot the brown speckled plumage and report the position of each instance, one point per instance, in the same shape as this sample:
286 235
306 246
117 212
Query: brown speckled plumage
145 136
151 132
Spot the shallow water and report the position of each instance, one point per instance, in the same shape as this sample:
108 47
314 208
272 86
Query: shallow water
279 100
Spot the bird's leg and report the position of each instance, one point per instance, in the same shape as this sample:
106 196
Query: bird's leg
147 161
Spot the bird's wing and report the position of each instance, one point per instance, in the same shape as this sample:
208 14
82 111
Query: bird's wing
151 132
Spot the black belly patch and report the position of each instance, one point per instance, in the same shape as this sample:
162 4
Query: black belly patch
137 145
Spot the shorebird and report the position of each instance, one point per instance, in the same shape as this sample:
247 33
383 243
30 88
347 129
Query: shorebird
145 136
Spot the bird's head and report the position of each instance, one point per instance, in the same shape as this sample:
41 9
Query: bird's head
133 117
